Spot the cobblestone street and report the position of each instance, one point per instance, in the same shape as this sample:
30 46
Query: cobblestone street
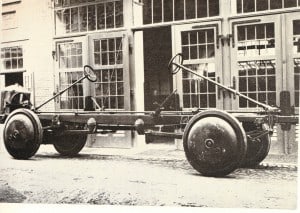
157 175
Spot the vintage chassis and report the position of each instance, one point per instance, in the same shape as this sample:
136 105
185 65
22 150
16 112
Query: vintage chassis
215 142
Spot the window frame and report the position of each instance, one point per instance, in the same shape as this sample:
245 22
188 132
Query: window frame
125 65
60 29
59 70
173 15
290 56
234 24
176 39
3 70
282 9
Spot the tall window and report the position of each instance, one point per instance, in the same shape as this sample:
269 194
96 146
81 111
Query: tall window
256 63
12 58
198 48
70 62
246 6
75 16
108 57
156 11
296 53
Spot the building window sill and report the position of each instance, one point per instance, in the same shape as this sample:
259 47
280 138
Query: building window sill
3 72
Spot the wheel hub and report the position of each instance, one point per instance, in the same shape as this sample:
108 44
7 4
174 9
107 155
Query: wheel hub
19 131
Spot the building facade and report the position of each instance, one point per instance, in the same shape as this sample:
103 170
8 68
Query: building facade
250 45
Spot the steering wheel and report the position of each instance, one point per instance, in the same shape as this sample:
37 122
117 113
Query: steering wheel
172 63
89 73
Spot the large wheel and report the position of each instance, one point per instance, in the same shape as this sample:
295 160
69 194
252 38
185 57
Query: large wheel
22 133
258 149
214 143
69 145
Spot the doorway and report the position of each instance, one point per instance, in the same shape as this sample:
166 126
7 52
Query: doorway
157 53
13 78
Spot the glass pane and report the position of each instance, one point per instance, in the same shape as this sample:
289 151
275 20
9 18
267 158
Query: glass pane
190 9
243 101
202 8
179 9
147 12
157 11
119 75
242 84
272 99
203 101
202 51
201 37
290 3
212 101
250 32
66 20
104 47
210 51
104 57
260 31
111 58
7 53
210 36
20 63
186 101
7 64
111 44
168 10
193 52
74 20
184 38
193 37
249 6
213 7
110 15
271 83
261 5
185 53
276 4
100 16
14 52
239 6
83 18
91 17
119 13
262 84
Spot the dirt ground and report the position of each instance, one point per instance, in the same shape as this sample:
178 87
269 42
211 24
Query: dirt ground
98 177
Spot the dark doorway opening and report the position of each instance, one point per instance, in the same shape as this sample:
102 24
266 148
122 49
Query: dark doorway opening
158 82
157 53
13 78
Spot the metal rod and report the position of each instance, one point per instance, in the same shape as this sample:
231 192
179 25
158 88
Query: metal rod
61 92
158 109
265 106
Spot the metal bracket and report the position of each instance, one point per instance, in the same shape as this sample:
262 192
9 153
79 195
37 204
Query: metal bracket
225 39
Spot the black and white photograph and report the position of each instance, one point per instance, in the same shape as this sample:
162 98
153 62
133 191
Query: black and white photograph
149 105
